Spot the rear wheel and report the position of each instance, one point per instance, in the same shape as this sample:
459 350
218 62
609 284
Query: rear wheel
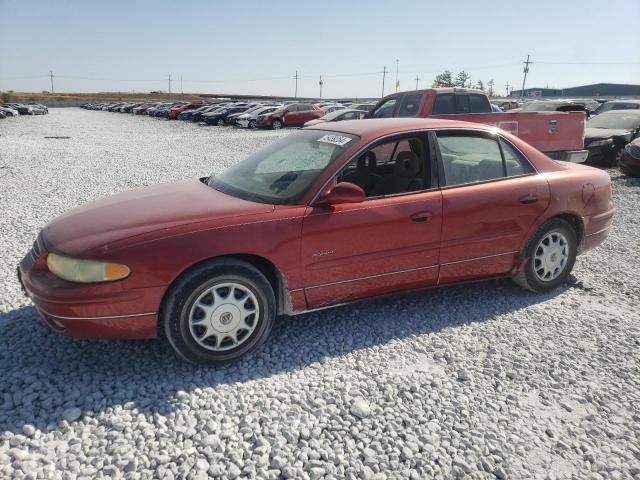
276 124
219 312
552 253
221 122
252 124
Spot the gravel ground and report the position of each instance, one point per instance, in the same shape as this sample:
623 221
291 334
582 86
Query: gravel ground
477 381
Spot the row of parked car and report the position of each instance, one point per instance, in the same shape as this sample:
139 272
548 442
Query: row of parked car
247 114
17 109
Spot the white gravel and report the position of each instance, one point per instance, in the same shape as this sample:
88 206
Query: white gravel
478 381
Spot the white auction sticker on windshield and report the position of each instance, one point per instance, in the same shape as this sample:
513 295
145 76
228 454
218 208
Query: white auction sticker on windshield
339 140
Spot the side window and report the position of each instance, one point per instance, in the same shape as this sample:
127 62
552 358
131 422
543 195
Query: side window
462 103
479 104
444 104
409 105
514 161
469 159
385 110
390 168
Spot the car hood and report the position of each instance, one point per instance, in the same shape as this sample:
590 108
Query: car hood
314 122
591 133
100 223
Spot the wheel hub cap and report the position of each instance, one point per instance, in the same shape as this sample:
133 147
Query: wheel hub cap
551 256
223 316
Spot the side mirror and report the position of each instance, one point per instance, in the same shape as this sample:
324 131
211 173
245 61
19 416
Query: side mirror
343 192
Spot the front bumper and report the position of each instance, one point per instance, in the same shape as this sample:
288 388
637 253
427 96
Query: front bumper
101 310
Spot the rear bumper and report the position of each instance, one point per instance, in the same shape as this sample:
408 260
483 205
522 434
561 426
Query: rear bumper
573 156
597 228
105 310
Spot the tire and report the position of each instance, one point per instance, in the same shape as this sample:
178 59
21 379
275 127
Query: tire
220 122
252 124
556 264
276 124
183 321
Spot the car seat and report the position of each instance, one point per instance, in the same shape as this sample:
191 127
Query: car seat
404 178
364 175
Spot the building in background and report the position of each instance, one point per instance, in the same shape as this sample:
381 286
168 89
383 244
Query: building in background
597 90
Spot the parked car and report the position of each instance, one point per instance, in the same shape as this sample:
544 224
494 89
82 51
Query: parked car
231 118
39 109
617 105
338 115
378 207
558 134
197 116
291 115
368 106
496 109
187 115
607 134
9 111
219 117
23 109
152 111
178 109
248 119
629 162
552 106
506 104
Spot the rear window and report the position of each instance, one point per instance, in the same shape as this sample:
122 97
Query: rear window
444 104
479 104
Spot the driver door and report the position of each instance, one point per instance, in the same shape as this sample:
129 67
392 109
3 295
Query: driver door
388 243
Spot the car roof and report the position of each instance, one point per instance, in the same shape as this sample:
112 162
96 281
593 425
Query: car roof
377 127
620 112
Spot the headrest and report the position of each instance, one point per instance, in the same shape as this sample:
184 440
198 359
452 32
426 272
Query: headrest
407 164
368 160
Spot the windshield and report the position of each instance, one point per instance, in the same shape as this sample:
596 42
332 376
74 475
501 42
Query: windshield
332 115
283 172
615 121
605 107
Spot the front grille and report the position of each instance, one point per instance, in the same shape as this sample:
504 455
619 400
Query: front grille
633 150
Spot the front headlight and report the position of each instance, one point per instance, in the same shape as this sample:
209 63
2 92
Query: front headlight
601 143
85 271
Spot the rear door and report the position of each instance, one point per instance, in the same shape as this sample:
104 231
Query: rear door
386 244
491 196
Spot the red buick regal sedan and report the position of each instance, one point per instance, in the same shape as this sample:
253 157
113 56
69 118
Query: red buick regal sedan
327 215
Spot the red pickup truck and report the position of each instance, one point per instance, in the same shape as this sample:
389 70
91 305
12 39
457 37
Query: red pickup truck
560 135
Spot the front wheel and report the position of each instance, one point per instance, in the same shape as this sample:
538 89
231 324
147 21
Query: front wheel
552 253
218 312
276 124
252 124
221 122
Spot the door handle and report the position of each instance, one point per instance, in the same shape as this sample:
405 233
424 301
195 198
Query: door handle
421 217
528 199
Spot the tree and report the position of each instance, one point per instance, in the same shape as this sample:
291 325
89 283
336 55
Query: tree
490 85
445 79
463 79
480 85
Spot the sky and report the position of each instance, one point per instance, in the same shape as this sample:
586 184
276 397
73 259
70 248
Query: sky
255 47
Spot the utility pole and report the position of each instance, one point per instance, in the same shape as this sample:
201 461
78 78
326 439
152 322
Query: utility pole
51 75
417 80
169 84
507 86
397 81
296 77
526 70
320 83
181 91
384 74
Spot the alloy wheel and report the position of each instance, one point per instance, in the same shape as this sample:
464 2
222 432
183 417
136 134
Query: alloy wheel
551 256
